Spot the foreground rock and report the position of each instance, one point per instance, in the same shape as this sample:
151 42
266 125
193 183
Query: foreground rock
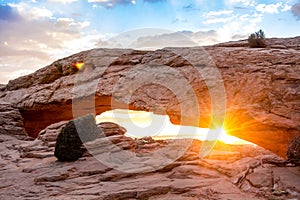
29 170
260 95
69 142
11 121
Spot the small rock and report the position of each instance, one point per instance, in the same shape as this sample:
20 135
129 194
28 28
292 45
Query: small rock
261 178
110 129
278 46
51 177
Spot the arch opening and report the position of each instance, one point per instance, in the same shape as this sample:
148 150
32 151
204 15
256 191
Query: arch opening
236 124
143 124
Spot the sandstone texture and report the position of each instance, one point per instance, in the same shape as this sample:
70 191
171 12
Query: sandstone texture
29 170
11 121
257 89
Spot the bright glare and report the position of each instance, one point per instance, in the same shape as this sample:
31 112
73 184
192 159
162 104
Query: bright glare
79 65
229 139
140 124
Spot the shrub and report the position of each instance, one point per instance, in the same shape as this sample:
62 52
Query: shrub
257 39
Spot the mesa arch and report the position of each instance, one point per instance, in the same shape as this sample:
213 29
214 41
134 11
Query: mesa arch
262 93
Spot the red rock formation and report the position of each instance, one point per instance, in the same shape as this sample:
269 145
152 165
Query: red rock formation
11 121
261 89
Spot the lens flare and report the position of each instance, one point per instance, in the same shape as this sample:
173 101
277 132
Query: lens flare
79 65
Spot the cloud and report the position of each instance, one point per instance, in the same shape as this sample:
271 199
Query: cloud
286 8
156 39
62 1
29 12
296 10
179 20
239 37
240 8
153 1
177 39
32 37
126 39
218 13
9 51
218 20
241 3
189 7
233 25
214 16
111 3
271 8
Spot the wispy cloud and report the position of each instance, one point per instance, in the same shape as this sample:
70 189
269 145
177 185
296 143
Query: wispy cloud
221 16
271 8
240 2
153 1
111 3
218 13
231 25
218 20
62 1
189 7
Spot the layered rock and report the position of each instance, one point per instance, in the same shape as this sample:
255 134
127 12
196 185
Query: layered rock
258 89
34 172
11 121
110 129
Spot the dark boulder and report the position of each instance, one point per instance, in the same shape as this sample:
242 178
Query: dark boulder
69 142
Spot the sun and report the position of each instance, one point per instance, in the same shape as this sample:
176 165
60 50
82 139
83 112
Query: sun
229 139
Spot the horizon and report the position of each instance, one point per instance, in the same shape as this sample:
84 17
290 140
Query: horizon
36 33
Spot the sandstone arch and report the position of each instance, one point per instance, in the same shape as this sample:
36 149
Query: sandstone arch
262 90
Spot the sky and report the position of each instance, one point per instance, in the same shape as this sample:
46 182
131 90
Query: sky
35 33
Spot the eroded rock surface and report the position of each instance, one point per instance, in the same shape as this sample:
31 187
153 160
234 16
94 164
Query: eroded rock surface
11 121
260 95
29 170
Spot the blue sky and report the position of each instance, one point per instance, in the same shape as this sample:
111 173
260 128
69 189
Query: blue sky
35 33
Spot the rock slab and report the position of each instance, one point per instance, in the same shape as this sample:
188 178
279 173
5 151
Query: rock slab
42 177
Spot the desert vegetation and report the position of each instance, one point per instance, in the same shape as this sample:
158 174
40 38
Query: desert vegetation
257 39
